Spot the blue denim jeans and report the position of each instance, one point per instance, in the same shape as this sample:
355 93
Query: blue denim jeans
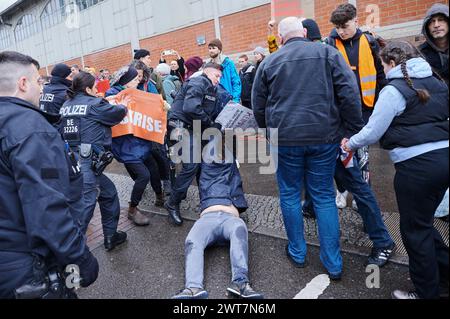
216 228
108 199
352 180
314 166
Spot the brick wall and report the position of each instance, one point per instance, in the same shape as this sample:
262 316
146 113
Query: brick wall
391 11
243 31
246 30
111 59
183 40
323 10
397 11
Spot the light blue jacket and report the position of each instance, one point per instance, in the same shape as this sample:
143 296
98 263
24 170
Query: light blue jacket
231 80
390 104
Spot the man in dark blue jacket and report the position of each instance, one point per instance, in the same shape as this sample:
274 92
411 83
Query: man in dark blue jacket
310 114
37 230
55 93
198 102
221 201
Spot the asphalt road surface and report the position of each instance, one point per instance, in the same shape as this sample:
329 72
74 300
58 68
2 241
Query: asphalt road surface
151 266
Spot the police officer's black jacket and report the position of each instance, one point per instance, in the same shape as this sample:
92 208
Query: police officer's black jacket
35 217
195 101
88 120
54 95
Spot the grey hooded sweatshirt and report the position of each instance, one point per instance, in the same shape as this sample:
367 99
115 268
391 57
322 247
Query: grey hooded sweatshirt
437 58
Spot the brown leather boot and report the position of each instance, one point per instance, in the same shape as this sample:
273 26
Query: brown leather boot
137 217
159 202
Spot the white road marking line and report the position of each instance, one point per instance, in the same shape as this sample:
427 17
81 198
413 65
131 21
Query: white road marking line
315 288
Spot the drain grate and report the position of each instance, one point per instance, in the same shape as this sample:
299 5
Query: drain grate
393 225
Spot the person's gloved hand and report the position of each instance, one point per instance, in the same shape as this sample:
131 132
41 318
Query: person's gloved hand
217 126
88 270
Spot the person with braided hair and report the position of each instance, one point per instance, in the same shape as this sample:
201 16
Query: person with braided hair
411 120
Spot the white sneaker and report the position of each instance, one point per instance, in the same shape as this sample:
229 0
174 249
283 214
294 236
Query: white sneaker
354 205
341 200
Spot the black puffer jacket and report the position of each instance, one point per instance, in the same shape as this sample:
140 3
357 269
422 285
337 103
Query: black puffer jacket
247 75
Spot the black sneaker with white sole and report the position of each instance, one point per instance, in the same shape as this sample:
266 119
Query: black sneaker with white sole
191 293
380 256
243 290
401 294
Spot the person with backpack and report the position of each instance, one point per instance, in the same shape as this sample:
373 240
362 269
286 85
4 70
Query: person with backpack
171 83
230 78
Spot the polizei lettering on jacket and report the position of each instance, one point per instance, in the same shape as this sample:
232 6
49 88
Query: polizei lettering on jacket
74 110
143 121
48 97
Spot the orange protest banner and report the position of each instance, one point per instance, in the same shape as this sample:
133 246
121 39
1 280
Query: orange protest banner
146 117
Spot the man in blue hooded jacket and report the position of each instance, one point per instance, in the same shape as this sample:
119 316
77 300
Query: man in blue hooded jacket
230 78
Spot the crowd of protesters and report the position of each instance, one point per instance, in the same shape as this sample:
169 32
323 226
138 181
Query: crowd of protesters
329 99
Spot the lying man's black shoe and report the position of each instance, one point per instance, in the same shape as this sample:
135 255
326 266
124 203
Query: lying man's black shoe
191 293
115 240
243 290
174 214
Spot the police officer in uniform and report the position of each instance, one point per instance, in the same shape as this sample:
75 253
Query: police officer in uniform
86 126
55 93
38 236
196 101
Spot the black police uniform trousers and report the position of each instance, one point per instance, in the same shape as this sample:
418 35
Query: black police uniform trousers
189 171
108 199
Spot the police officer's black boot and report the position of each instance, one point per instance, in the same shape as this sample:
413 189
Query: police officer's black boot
174 213
115 240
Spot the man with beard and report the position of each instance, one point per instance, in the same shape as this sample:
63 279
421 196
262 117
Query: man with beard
435 48
230 77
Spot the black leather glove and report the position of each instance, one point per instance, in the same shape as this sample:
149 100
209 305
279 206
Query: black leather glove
217 126
88 270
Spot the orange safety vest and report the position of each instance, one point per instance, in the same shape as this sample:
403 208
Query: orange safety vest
367 69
